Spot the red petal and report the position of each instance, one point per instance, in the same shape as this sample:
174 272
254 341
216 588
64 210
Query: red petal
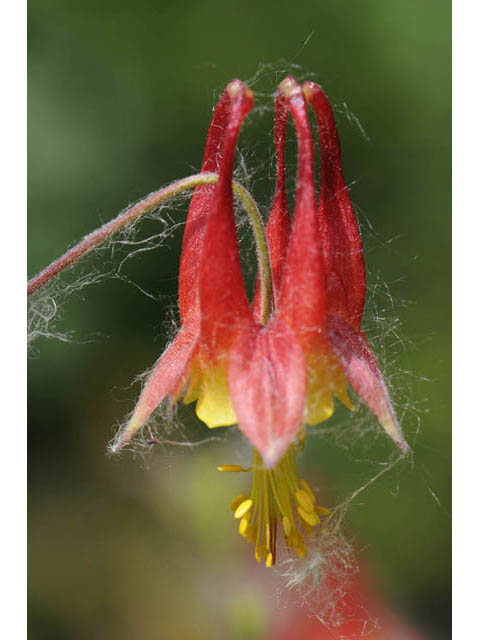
200 206
223 299
362 372
340 235
278 226
166 379
267 386
302 295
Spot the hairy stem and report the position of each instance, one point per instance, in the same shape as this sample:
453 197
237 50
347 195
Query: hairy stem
264 269
133 213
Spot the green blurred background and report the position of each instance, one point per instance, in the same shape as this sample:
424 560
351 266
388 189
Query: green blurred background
120 98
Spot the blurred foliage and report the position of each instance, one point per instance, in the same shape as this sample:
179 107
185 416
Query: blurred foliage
120 98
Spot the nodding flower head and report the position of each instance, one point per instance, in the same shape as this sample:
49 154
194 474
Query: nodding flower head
273 365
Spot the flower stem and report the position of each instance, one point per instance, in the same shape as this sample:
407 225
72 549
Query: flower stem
264 269
154 199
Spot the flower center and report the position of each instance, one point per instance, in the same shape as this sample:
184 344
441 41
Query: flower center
278 498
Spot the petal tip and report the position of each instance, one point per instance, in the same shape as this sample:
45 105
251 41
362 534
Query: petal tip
393 430
289 87
125 435
308 89
403 446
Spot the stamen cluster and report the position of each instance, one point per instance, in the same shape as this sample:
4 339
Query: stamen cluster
279 500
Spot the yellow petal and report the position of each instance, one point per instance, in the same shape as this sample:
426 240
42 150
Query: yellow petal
214 407
320 406
194 383
342 395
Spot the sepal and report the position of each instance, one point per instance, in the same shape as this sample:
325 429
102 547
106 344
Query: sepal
339 233
267 382
363 374
167 378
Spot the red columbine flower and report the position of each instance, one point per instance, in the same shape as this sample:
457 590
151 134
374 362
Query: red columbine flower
271 366
356 612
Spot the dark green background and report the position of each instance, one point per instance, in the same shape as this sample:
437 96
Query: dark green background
120 98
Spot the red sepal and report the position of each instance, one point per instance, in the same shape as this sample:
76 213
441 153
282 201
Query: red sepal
223 299
200 205
302 304
339 232
166 379
278 226
267 383
363 373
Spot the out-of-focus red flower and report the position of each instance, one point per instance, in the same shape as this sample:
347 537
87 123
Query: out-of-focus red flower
271 366
358 614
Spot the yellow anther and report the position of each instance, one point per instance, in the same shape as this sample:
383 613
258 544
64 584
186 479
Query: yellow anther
308 489
231 468
310 518
300 545
287 526
269 560
243 508
258 557
244 524
237 501
300 549
322 510
304 500
262 551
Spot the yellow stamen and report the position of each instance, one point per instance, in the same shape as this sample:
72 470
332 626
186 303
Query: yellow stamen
287 527
277 495
322 510
243 508
251 533
310 518
260 552
300 545
304 500
307 488
244 524
231 468
237 501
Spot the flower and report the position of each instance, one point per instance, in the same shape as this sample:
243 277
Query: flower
272 366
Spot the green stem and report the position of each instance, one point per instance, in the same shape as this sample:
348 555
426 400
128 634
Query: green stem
266 286
151 201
